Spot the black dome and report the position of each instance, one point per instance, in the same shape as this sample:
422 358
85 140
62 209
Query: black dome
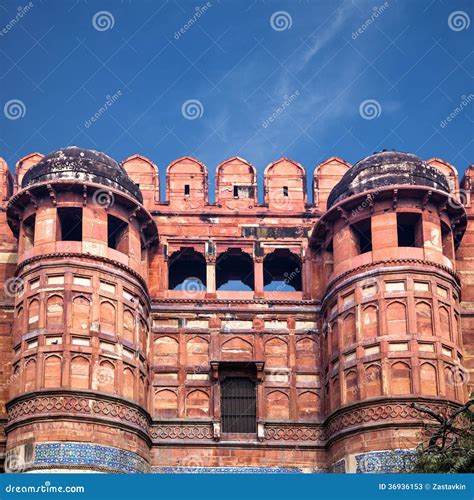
387 168
82 165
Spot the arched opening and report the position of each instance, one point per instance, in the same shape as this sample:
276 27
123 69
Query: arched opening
282 272
187 270
234 271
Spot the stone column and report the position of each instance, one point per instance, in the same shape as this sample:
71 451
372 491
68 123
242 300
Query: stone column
258 276
211 276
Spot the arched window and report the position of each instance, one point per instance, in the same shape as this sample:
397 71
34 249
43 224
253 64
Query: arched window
108 318
80 367
424 318
81 308
54 312
234 271
282 272
165 404
52 371
396 318
187 271
400 378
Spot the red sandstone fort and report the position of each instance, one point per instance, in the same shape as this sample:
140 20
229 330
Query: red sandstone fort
141 335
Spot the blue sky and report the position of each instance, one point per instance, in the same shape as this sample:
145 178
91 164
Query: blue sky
340 78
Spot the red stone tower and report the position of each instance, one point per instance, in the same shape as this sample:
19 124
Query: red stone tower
81 330
391 310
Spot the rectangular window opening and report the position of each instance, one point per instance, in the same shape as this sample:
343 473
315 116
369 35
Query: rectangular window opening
362 232
447 241
186 190
409 230
117 234
69 224
285 191
239 405
29 231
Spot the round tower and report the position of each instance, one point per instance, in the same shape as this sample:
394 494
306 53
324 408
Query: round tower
390 311
79 392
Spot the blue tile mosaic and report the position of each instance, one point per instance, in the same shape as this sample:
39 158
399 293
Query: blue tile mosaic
384 461
86 454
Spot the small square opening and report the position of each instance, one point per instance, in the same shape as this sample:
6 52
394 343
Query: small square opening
409 230
117 234
362 232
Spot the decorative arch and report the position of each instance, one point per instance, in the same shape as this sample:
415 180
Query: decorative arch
237 348
197 351
449 381
284 184
80 372
396 318
55 312
349 333
424 318
309 405
128 326
351 386
370 321
373 381
108 317
81 312
165 351
306 353
445 323
52 371
197 404
282 271
278 406
428 379
276 353
128 382
187 271
30 375
235 271
236 184
190 172
400 378
106 377
33 315
165 404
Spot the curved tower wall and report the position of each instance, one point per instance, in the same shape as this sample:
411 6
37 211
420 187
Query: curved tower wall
390 317
81 330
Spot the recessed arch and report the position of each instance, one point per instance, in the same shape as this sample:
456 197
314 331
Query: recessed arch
282 271
165 404
396 318
424 318
165 351
80 372
187 271
55 312
309 405
352 388
197 404
30 375
276 353
400 378
373 381
108 317
235 271
52 367
370 321
428 379
81 312
106 376
278 406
